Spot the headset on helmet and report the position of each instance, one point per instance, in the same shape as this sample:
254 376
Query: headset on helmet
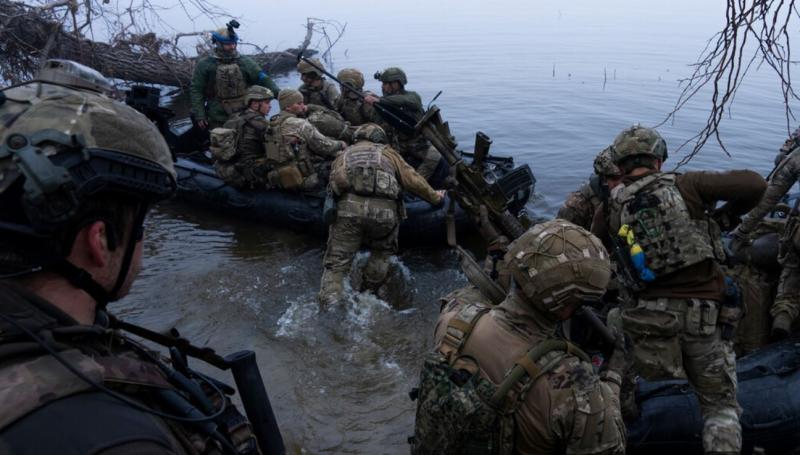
557 264
59 154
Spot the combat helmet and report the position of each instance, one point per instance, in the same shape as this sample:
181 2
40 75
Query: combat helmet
557 264
604 164
226 35
392 74
258 93
638 140
351 76
64 161
370 132
303 67
73 74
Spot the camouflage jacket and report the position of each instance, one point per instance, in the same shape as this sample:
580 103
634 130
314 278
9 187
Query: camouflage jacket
293 129
251 127
48 409
580 206
324 96
567 410
354 110
204 83
408 178
782 179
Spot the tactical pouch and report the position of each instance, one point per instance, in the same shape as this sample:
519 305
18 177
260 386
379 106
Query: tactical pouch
701 317
289 177
329 210
655 336
223 143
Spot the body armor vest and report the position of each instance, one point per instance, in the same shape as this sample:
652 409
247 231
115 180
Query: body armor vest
366 172
284 151
250 131
656 212
230 86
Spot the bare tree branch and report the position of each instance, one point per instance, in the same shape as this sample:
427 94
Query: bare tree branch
755 32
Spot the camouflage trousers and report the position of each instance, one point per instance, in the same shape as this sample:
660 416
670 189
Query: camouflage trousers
244 174
673 338
787 299
360 221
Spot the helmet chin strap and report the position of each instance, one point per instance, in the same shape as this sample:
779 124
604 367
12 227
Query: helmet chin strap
82 279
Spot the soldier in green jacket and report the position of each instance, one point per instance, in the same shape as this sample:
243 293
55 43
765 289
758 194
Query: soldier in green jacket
221 80
412 146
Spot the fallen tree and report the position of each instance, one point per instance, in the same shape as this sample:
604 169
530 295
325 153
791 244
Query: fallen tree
33 33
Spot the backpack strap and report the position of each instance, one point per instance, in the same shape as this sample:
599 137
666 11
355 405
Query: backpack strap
527 366
458 330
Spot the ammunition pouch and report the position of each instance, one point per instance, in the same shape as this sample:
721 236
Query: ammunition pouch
702 317
655 335
286 177
232 105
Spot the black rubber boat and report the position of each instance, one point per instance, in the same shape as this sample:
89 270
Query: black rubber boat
769 394
199 184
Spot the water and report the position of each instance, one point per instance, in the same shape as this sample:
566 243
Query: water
551 83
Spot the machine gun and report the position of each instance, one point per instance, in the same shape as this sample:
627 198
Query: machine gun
472 190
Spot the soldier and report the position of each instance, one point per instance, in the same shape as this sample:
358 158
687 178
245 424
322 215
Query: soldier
527 391
350 104
316 89
786 306
296 151
412 146
80 171
220 81
247 167
581 206
676 320
367 180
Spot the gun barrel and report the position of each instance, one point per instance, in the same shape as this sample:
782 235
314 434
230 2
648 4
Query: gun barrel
588 316
256 402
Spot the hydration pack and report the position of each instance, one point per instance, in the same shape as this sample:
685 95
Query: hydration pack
459 411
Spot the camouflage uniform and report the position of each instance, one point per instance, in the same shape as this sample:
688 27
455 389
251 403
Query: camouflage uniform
249 167
349 104
330 123
100 152
581 206
294 144
325 95
787 299
204 92
560 405
673 322
367 179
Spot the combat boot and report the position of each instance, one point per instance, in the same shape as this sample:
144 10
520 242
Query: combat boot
781 326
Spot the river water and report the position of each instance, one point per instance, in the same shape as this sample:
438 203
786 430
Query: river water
551 84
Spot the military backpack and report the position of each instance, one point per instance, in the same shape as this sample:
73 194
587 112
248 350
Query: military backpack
459 411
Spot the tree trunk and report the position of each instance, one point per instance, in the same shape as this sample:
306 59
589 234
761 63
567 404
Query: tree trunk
30 34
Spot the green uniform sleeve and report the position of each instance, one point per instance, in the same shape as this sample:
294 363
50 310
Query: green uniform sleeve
198 88
254 75
407 101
